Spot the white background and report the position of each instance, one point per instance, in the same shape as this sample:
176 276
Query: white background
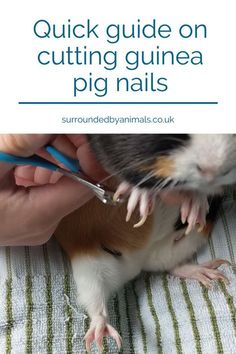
23 79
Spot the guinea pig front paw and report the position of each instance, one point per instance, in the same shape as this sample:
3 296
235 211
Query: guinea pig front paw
194 209
142 198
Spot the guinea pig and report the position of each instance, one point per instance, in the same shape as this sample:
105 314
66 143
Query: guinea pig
148 164
106 250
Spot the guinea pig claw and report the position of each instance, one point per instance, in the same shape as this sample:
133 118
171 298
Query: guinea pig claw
128 215
185 209
132 202
141 197
122 189
190 227
200 227
146 205
193 210
141 221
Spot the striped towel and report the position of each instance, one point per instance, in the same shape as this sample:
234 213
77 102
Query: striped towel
153 313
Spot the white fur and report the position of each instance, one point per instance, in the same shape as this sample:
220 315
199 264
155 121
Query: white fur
215 152
97 277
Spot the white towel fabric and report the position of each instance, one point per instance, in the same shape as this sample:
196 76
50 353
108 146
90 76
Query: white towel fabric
153 313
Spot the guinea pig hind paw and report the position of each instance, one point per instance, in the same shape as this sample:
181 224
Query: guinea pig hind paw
204 273
97 333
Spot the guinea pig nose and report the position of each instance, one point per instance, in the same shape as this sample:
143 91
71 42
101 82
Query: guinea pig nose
208 172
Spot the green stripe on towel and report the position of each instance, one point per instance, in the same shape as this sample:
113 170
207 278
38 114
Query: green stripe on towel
117 316
172 314
48 299
230 303
143 333
153 313
228 297
228 237
29 303
191 312
211 248
87 322
68 310
105 346
128 321
213 319
9 313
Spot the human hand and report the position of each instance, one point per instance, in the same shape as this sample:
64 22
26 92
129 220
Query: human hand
34 200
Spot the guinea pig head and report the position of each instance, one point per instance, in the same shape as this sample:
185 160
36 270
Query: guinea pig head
207 162
158 161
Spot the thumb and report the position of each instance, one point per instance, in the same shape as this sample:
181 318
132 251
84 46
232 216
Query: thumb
23 144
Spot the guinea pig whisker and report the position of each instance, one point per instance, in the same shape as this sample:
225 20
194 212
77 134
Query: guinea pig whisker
172 138
158 183
162 184
136 164
145 178
166 183
133 165
176 183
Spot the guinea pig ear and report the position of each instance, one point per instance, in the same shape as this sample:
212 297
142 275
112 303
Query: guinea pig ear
163 167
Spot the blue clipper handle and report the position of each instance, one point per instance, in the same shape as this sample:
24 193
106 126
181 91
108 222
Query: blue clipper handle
32 160
72 164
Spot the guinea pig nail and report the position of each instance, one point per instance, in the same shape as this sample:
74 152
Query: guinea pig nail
141 222
116 196
189 229
132 203
128 216
200 228
122 189
130 210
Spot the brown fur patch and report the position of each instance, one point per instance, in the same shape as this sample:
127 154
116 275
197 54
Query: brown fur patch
162 167
96 224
